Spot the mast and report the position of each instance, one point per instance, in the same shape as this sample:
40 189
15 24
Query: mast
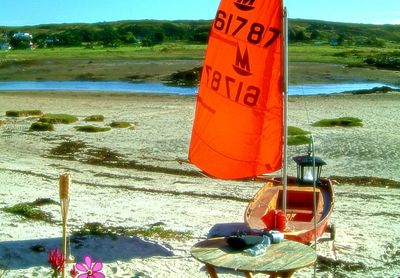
285 105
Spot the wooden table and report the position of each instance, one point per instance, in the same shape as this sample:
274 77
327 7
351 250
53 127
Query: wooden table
279 260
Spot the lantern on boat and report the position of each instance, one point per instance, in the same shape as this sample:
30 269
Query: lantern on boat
305 168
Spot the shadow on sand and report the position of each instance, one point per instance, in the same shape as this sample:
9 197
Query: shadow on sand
29 253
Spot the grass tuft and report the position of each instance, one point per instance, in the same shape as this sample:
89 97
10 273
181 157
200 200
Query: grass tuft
293 131
30 210
23 113
68 149
58 118
366 181
91 128
120 124
375 90
298 140
94 118
161 233
39 126
154 231
43 202
297 136
185 78
343 122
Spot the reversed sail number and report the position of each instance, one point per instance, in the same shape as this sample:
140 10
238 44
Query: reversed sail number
235 90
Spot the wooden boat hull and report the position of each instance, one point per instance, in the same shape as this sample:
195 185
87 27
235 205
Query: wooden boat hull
299 209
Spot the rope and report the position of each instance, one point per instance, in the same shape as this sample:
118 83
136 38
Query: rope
305 106
315 200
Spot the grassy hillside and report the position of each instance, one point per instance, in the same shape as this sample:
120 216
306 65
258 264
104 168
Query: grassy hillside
144 32
355 45
152 32
345 33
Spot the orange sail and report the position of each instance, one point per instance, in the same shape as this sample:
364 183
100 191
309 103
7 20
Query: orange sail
238 126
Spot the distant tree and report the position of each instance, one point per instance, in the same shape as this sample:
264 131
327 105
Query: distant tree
158 38
173 31
200 34
139 30
87 35
146 42
68 38
300 36
340 39
297 35
200 37
315 35
291 34
129 37
40 40
108 36
387 61
373 41
9 34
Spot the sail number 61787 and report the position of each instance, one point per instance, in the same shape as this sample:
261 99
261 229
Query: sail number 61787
255 33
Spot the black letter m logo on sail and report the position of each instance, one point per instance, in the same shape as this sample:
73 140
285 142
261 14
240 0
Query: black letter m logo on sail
245 5
242 63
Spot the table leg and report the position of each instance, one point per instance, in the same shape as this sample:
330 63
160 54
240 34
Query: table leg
248 274
211 270
287 274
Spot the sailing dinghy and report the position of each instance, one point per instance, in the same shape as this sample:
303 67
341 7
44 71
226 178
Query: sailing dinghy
240 125
308 208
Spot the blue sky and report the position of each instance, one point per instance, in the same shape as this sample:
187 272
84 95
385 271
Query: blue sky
33 12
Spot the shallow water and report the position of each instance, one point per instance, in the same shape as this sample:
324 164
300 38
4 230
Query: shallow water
158 87
102 86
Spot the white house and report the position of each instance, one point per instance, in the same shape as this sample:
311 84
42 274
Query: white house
22 36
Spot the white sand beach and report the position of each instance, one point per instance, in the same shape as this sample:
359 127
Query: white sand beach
138 177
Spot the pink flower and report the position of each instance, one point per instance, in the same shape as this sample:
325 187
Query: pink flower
89 269
56 261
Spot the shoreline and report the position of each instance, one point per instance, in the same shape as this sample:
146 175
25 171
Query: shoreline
373 91
143 70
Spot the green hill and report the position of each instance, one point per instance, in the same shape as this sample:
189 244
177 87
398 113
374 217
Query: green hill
343 43
147 32
343 33
150 32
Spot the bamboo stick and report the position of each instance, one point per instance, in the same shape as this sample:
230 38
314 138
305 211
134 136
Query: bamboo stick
64 183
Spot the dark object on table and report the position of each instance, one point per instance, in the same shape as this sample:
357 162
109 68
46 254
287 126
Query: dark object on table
241 242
